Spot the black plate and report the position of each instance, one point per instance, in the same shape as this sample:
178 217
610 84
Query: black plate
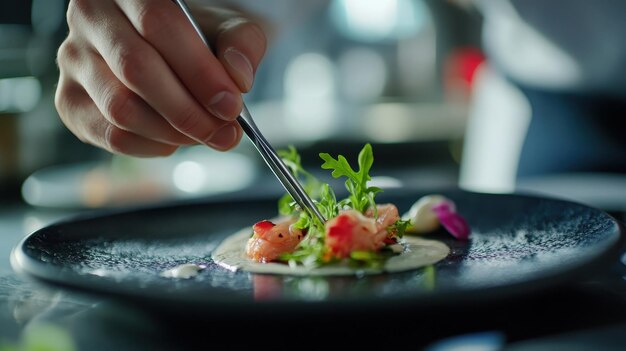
519 243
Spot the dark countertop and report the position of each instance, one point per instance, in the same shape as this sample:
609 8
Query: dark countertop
589 314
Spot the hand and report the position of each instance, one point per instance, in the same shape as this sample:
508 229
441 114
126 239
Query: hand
136 79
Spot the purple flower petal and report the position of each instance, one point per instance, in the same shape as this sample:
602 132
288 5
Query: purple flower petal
454 223
445 206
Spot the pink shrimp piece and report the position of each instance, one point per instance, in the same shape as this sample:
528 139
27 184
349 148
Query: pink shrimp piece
387 215
351 231
270 240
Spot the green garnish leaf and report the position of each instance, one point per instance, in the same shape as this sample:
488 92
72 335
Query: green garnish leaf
286 205
304 221
361 196
327 204
293 161
363 255
399 227
311 251
367 259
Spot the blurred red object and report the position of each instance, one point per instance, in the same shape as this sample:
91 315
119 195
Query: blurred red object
459 70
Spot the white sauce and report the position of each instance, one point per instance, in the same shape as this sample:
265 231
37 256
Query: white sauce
417 253
183 271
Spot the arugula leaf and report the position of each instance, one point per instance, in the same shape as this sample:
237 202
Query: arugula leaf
361 196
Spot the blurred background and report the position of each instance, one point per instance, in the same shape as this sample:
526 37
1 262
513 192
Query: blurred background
407 76
396 74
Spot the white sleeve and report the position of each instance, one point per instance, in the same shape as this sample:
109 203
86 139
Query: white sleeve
570 45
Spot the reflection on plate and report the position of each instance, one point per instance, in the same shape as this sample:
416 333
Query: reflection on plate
519 243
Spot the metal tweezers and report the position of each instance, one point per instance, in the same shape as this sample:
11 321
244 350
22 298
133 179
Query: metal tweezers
289 182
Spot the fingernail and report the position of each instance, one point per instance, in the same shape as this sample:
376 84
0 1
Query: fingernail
223 138
224 105
241 64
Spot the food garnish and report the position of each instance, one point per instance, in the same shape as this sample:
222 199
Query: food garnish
359 232
430 211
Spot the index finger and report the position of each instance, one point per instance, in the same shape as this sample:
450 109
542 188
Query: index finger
162 24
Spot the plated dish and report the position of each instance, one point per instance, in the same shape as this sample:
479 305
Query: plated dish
360 236
518 243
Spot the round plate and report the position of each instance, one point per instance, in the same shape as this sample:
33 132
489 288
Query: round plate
519 243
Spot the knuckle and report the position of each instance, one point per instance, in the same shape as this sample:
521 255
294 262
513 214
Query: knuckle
60 99
253 30
152 19
188 122
66 107
261 38
68 52
129 62
76 10
60 95
239 29
65 97
118 106
116 140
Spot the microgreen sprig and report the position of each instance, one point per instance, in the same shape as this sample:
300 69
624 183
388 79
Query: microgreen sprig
293 161
311 251
361 196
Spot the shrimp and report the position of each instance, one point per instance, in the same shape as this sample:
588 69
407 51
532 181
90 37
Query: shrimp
270 240
351 231
387 215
